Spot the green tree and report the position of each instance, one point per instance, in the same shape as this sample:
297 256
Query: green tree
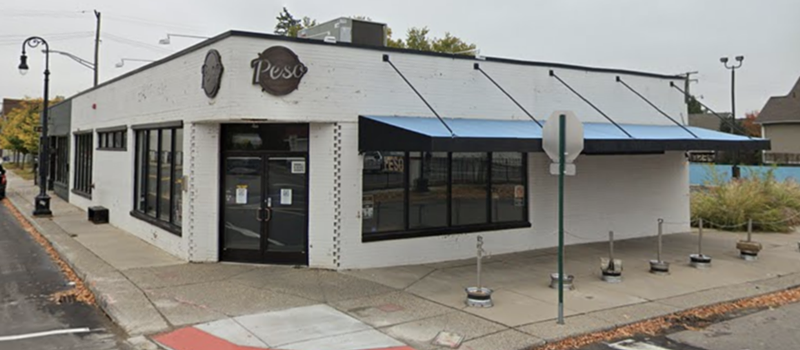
416 37
694 106
288 25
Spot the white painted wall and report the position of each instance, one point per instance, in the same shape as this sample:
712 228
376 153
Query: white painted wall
343 83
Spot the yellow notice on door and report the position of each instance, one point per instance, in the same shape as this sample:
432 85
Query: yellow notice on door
241 194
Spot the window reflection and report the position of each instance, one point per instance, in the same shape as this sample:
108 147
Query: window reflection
266 137
470 179
428 189
508 187
383 205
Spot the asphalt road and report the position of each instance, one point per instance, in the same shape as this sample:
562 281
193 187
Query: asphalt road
774 329
27 279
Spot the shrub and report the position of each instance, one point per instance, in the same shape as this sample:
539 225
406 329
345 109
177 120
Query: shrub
773 205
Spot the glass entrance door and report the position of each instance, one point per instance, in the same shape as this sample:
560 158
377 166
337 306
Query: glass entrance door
242 210
286 210
265 208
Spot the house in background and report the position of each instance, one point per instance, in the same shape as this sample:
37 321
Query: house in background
780 122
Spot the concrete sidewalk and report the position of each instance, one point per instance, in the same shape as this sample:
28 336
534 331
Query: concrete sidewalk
147 291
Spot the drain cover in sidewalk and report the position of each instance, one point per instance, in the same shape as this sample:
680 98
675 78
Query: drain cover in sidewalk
448 339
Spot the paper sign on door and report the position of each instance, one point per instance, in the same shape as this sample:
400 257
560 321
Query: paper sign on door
241 194
286 196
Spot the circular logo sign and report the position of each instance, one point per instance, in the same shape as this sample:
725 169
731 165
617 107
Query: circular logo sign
278 70
212 73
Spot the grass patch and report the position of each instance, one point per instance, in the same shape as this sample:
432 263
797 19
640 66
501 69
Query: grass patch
26 173
774 206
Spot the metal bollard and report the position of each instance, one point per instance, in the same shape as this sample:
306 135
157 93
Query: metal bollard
479 296
748 250
699 260
659 266
612 269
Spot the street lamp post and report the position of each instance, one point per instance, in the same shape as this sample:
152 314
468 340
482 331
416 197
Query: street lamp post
42 202
735 169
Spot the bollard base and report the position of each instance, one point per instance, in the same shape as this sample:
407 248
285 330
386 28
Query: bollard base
568 281
748 256
479 297
659 267
611 277
700 261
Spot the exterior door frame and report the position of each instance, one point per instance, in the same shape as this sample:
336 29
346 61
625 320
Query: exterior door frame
262 256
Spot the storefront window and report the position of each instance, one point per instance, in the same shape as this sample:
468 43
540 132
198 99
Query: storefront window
159 172
413 194
470 190
508 187
83 165
428 189
383 203
177 178
272 137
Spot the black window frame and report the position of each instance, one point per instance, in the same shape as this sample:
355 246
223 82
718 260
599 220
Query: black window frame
112 139
141 171
450 229
82 174
61 167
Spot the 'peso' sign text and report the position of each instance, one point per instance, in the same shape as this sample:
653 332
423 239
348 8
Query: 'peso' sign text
278 70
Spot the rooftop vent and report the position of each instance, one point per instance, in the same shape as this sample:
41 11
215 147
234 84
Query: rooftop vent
347 30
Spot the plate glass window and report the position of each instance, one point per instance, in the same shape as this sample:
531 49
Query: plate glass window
383 207
428 174
83 165
411 194
159 174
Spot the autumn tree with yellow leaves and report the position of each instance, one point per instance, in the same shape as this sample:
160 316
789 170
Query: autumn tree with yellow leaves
19 132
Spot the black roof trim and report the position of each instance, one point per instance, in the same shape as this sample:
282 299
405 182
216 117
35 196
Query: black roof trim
454 56
246 34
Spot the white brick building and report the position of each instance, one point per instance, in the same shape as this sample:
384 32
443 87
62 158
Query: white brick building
251 175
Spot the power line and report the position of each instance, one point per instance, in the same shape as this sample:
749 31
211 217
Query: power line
41 13
136 43
150 22
52 38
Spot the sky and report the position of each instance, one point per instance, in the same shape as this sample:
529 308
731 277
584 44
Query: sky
661 36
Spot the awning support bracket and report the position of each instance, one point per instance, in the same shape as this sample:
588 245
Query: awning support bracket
477 67
386 59
553 74
619 80
723 119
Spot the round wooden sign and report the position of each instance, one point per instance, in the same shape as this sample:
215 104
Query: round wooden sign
212 73
278 70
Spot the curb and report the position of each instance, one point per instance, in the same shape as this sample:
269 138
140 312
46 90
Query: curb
124 303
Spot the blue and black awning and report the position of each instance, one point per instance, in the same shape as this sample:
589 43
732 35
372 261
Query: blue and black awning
396 133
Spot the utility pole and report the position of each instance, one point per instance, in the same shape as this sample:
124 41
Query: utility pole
96 48
686 83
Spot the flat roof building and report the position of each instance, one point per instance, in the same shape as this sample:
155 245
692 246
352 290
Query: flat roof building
258 148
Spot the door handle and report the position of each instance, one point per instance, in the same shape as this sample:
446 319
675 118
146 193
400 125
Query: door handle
269 214
258 215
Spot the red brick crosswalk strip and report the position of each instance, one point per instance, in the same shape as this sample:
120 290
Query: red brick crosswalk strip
191 338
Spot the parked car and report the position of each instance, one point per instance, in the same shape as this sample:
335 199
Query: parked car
3 182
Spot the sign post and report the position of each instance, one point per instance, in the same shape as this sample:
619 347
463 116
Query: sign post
567 133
